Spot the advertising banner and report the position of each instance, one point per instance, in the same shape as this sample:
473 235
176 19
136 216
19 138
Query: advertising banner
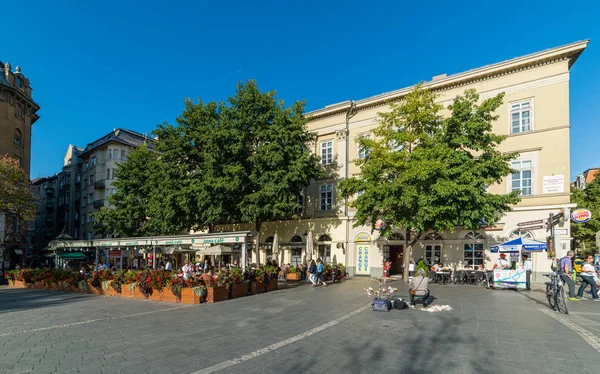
510 279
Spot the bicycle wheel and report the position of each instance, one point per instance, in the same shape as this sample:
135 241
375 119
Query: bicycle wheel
562 301
550 295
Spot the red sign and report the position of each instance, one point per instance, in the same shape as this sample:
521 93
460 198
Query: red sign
114 253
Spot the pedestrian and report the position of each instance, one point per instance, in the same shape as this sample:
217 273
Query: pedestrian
186 270
588 275
312 271
169 266
386 268
205 268
502 263
565 273
320 270
527 267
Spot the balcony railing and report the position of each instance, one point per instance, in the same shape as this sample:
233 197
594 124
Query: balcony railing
49 190
99 185
99 203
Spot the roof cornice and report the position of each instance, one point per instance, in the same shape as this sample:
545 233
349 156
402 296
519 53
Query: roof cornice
549 56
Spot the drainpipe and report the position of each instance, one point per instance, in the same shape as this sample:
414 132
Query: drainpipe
349 114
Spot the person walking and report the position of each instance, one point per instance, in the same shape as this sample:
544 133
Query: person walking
565 273
527 267
169 266
312 271
320 270
588 276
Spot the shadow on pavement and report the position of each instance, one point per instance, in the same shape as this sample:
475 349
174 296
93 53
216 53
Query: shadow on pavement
12 299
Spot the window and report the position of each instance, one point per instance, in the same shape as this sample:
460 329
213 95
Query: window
396 236
114 173
521 180
94 160
473 254
70 162
300 202
325 249
433 236
474 235
326 196
76 217
18 111
76 233
433 253
86 165
520 234
109 153
68 198
520 116
90 218
85 182
296 256
90 198
78 178
123 156
116 153
91 178
363 152
327 152
17 140
107 173
84 216
90 235
77 195
18 160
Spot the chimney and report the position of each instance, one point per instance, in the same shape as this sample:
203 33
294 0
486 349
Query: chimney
438 77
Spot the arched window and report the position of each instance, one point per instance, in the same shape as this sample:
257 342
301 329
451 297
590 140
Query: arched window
474 235
18 111
433 236
18 139
296 239
520 234
270 239
325 238
396 236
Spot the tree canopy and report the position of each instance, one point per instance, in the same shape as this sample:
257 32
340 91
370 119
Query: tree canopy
425 172
584 234
17 197
242 160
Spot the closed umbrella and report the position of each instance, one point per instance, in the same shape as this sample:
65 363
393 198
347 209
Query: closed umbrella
309 245
275 248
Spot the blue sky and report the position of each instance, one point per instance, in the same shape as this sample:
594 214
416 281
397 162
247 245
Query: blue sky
95 66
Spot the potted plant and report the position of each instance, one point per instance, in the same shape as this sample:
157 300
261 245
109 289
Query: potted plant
176 285
258 278
271 275
187 291
238 287
128 285
216 291
293 275
200 293
95 284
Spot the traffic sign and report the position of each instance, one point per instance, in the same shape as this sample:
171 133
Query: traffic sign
529 223
532 227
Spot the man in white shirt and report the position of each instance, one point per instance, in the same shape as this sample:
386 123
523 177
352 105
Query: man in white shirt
169 266
502 262
186 270
527 267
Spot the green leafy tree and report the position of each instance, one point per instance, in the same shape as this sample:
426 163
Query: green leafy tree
17 197
584 234
425 172
277 165
129 212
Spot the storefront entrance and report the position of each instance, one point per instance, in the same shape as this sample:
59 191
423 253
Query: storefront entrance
397 259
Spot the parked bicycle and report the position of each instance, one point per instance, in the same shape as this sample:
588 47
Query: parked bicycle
555 293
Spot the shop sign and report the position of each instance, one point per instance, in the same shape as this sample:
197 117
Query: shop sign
362 237
554 184
581 215
114 253
362 259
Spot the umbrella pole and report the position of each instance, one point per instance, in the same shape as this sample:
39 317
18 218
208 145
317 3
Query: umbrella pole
96 258
244 257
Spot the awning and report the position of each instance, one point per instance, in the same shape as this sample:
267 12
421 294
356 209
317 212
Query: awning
72 256
215 250
520 244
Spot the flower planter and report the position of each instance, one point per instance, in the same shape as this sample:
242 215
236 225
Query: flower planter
239 290
156 295
95 291
272 285
257 288
38 284
17 284
126 292
189 297
139 295
75 289
163 295
112 292
51 286
293 277
215 294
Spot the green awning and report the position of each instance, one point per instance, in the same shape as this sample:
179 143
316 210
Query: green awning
72 256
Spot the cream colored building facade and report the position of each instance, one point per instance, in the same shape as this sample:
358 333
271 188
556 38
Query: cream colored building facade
534 116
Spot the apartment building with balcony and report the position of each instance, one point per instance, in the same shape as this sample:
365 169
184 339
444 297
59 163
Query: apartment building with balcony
535 119
45 227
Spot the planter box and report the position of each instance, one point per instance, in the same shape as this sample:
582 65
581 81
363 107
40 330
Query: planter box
51 286
111 291
17 284
293 277
156 295
257 288
139 295
239 290
126 292
38 284
216 294
95 291
189 297
272 285
164 295
75 289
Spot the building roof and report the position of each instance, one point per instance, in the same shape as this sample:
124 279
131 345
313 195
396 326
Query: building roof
569 51
123 136
590 174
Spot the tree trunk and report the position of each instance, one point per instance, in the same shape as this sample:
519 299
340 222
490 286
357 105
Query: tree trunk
257 226
408 253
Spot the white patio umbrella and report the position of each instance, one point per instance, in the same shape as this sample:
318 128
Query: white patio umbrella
276 247
309 245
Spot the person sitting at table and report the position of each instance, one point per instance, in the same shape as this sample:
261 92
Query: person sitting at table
467 265
480 267
502 263
437 267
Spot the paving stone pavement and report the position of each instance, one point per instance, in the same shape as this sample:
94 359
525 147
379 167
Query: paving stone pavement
487 332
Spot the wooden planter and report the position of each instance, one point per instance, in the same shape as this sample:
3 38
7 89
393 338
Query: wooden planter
239 290
75 289
165 295
216 294
189 297
272 285
18 284
51 286
126 292
139 295
293 277
95 291
111 291
38 284
257 288
156 295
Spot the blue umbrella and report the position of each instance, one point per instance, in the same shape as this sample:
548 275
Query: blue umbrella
520 244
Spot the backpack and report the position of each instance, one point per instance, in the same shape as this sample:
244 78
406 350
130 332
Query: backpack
399 304
381 305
